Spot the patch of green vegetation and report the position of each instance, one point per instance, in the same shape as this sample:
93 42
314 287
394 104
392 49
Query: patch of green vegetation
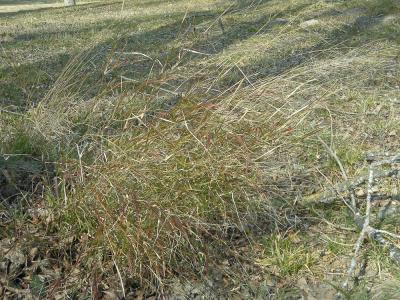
38 287
286 258
349 155
335 248
376 7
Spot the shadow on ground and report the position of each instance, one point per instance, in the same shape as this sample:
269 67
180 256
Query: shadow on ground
164 45
58 8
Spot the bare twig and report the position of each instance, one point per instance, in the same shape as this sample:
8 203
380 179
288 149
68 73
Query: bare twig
120 278
344 174
373 157
363 232
363 222
329 196
396 236
380 197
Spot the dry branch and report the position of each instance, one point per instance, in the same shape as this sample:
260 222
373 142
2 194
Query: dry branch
364 229
363 222
331 195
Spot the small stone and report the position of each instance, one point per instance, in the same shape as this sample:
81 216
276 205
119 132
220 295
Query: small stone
279 21
393 133
309 23
33 253
377 109
360 193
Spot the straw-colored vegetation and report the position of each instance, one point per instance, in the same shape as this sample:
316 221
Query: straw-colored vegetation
146 143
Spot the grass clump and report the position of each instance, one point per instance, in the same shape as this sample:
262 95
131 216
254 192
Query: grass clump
285 256
159 191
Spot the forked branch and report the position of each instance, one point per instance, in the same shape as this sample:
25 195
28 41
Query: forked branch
362 222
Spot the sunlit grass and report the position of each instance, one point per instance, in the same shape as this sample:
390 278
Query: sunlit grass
170 130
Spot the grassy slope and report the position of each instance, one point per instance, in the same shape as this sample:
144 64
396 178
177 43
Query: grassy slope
343 71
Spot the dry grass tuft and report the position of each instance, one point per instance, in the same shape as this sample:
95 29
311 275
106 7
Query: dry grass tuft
158 189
